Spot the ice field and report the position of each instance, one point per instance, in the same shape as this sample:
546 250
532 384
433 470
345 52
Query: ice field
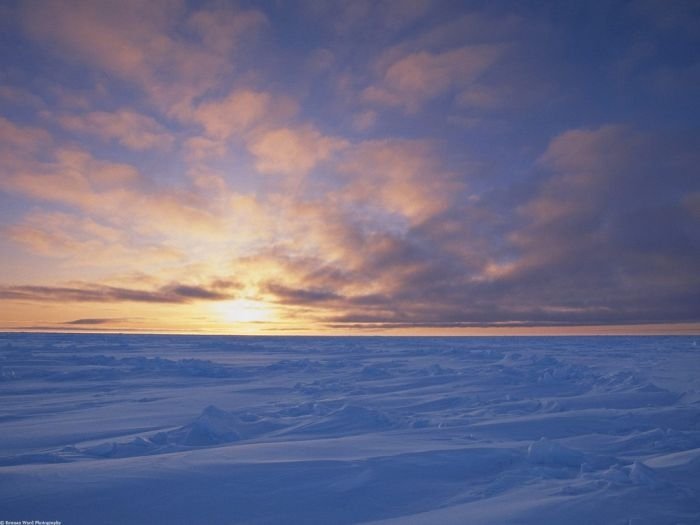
127 429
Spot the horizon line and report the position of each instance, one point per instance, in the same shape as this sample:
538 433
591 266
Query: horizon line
589 331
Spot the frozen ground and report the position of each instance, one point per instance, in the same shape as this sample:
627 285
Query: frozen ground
196 430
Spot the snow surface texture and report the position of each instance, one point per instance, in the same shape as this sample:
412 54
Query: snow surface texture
194 430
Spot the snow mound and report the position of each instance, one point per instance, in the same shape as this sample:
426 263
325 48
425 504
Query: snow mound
641 474
615 474
213 427
434 370
374 372
623 379
551 453
109 449
26 459
637 474
351 419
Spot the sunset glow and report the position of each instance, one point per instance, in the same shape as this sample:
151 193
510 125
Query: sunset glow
356 167
244 311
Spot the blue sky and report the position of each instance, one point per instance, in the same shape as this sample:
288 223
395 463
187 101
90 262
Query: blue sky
412 166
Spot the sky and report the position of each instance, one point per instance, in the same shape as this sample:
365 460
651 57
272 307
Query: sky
350 167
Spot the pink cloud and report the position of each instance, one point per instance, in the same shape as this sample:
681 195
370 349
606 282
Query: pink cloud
86 242
124 38
240 111
198 149
21 138
131 129
397 177
221 29
413 79
115 192
20 97
364 120
357 16
144 42
482 97
691 203
74 177
581 161
590 150
292 151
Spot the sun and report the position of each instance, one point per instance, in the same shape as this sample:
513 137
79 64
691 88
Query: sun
245 311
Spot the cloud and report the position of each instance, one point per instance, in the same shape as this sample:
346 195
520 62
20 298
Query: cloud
418 77
238 112
604 230
98 321
597 237
169 294
691 202
198 149
297 297
292 151
146 43
21 139
682 17
479 27
130 129
366 17
221 29
194 292
482 61
20 97
86 242
73 177
128 39
114 192
401 177
481 97
364 120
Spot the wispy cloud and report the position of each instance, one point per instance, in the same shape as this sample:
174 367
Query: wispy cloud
290 151
144 42
172 293
418 77
97 321
130 129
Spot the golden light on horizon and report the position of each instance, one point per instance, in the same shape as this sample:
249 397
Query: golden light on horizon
245 311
